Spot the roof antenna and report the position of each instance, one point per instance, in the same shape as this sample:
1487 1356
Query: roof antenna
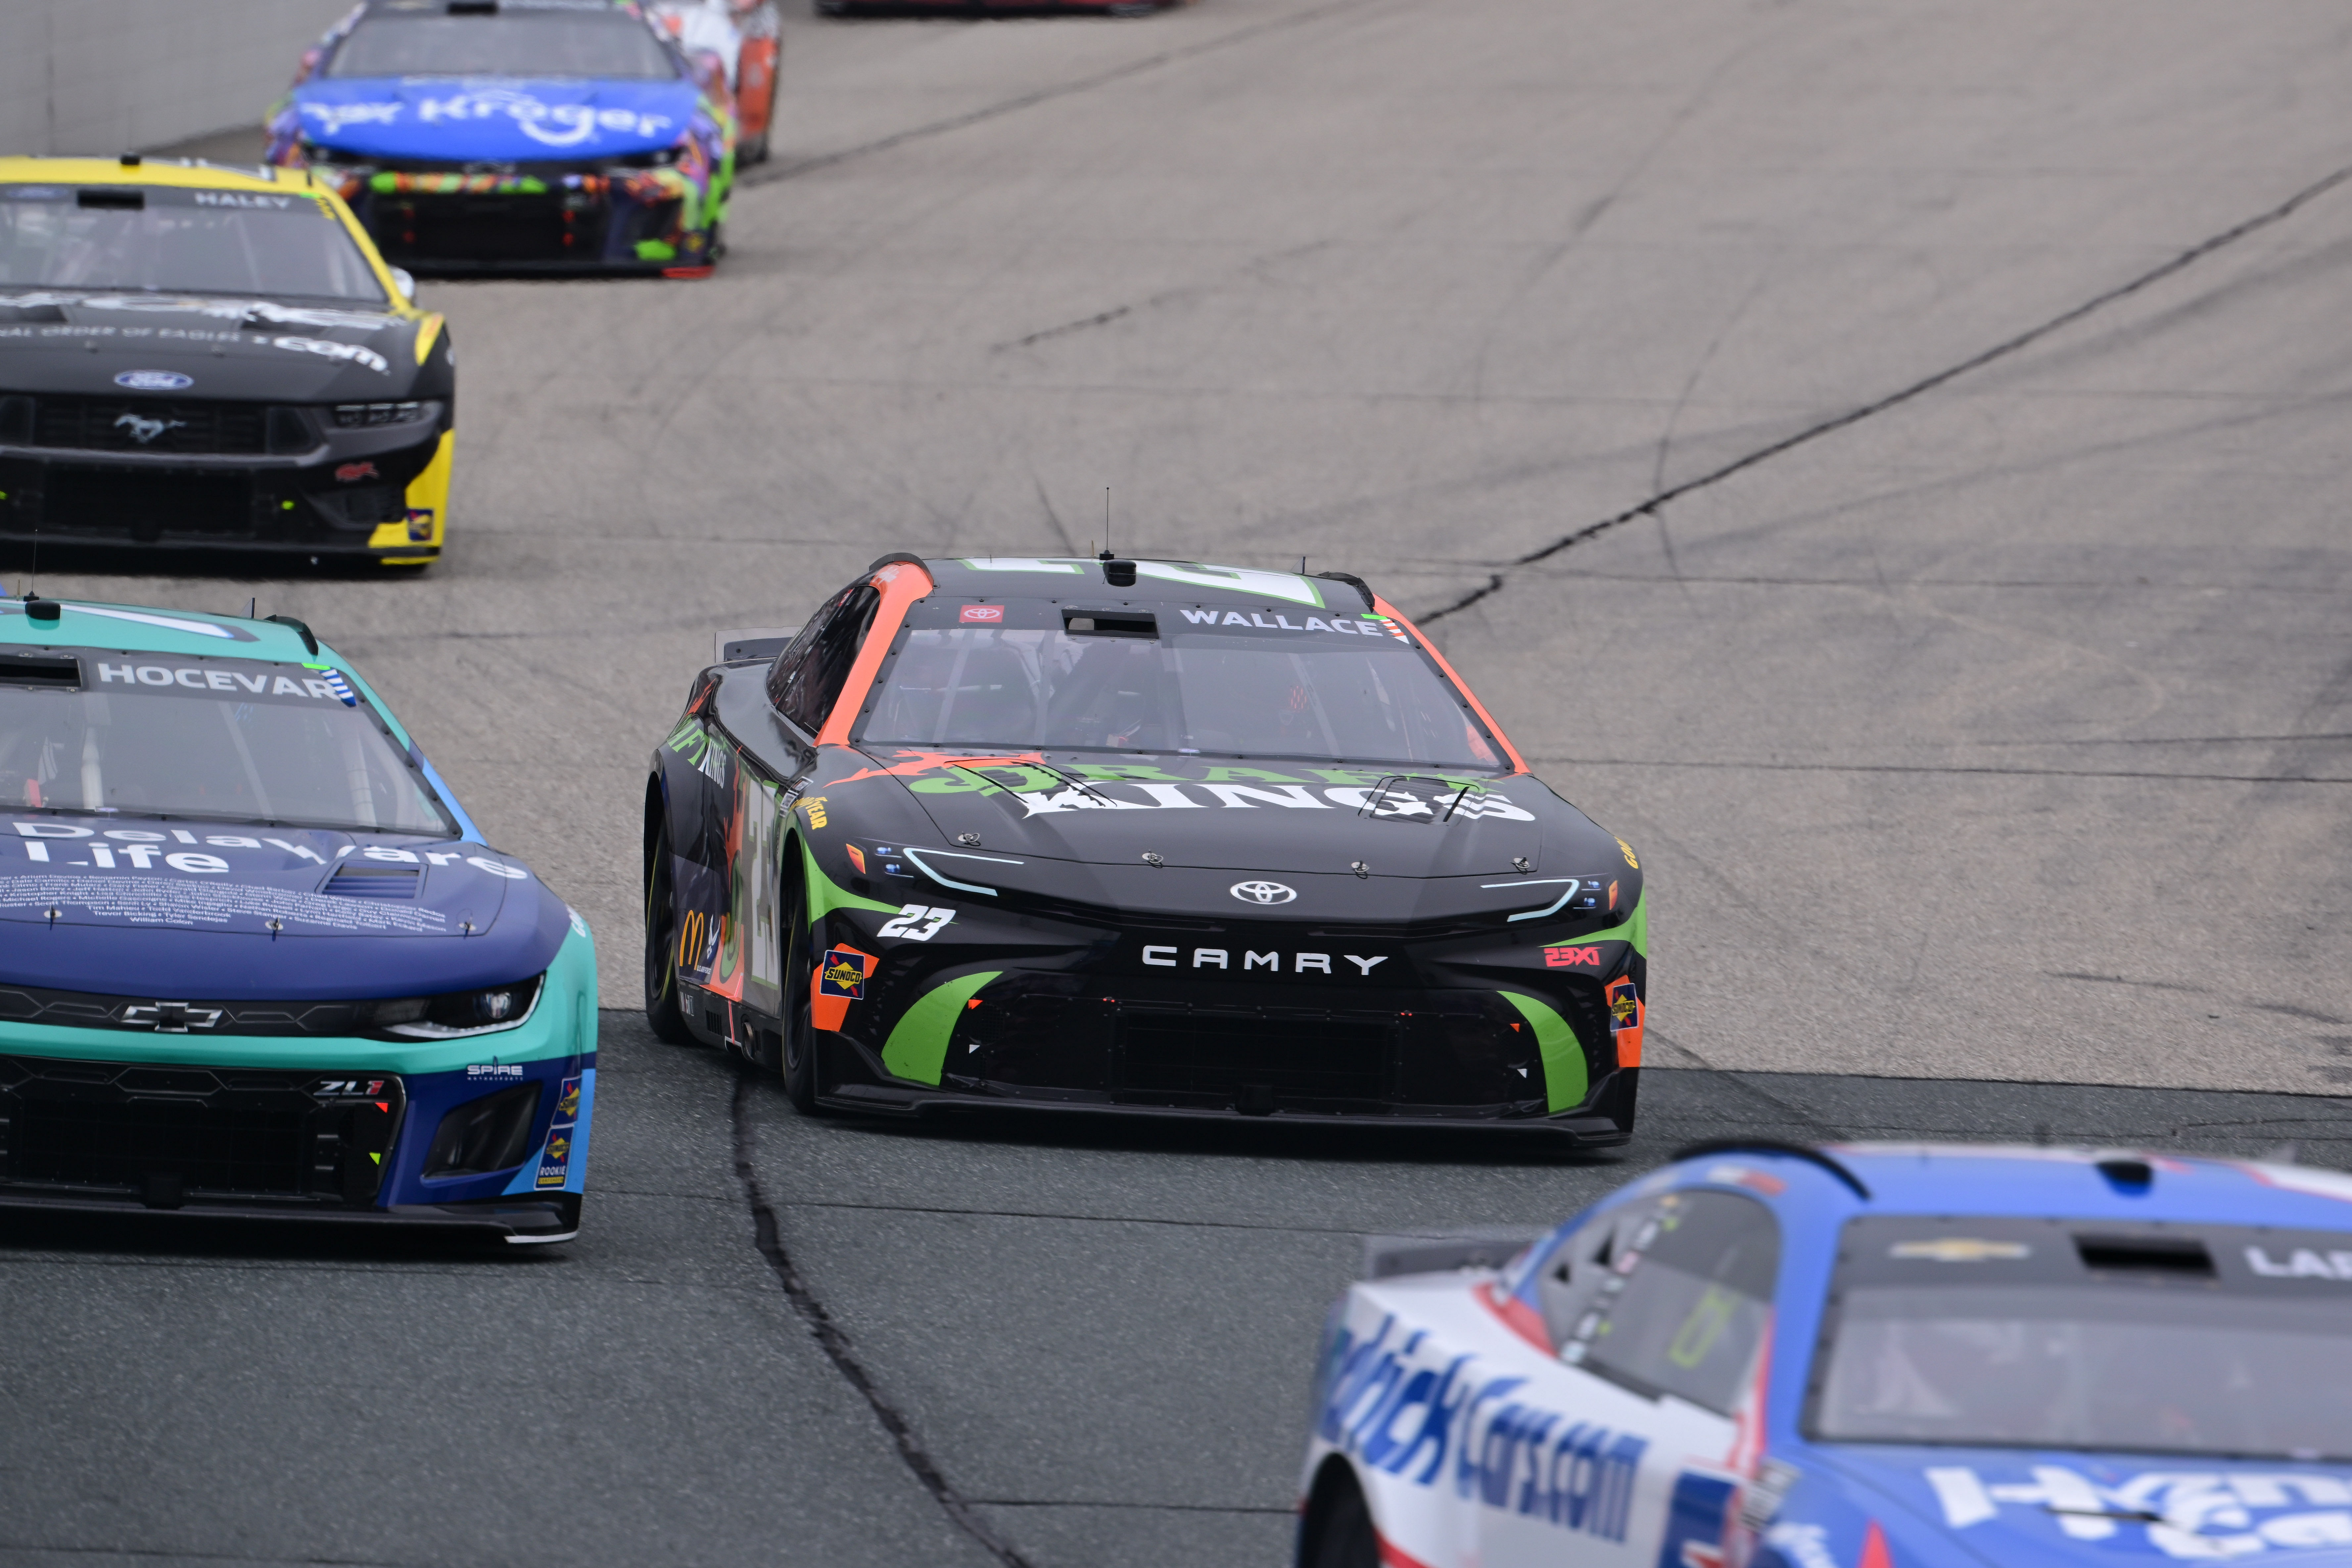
35 607
1106 550
253 608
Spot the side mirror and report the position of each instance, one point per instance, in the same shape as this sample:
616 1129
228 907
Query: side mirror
405 281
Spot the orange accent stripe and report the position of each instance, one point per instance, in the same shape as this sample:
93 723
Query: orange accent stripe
1874 1549
901 585
1519 763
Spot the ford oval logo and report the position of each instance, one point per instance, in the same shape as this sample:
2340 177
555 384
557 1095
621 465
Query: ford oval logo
1263 893
155 381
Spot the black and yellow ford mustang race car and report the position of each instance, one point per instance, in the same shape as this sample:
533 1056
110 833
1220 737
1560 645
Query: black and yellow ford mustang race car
198 355
1142 836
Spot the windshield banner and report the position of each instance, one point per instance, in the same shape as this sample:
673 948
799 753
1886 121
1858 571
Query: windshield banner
494 119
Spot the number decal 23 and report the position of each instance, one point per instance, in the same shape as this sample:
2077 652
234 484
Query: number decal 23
916 922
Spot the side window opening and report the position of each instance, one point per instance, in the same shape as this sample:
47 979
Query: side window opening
1683 1303
808 675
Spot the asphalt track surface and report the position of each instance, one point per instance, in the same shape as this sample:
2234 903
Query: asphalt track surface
1887 465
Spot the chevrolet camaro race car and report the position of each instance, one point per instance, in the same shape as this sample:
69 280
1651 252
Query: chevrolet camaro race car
1868 1356
254 958
1144 836
197 356
516 135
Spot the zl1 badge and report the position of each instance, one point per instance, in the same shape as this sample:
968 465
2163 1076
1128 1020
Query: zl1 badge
840 979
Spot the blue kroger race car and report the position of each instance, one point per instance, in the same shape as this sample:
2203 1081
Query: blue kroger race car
254 958
1870 1356
516 135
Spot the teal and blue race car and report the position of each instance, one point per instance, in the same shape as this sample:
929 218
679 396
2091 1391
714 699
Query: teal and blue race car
255 960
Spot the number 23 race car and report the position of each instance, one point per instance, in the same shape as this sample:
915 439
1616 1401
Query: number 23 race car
1145 836
1769 1357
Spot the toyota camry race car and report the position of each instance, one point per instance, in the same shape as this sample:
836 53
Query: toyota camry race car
1144 836
1873 1356
254 959
196 356
516 135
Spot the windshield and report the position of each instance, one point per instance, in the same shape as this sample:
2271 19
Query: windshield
179 242
1172 678
2227 1341
605 44
226 739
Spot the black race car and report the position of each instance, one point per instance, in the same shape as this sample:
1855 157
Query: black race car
192 355
1141 836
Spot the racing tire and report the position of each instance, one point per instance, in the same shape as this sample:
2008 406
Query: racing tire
1338 1531
800 1045
663 1013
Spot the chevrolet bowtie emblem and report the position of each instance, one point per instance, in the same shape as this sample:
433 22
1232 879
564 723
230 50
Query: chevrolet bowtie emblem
171 1018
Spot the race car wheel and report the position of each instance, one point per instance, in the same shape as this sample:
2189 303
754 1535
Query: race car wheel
1338 1531
662 1009
800 1044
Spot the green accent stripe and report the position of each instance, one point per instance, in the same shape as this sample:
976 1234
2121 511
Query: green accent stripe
826 896
917 1047
1564 1080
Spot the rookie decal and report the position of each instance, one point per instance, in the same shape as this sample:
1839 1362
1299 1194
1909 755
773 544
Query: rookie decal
555 1165
977 612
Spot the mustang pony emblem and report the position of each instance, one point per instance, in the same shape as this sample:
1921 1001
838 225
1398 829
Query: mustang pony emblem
144 429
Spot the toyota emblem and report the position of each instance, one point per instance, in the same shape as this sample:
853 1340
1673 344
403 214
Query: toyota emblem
1263 893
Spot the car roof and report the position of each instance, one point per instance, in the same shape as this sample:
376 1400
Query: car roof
195 173
2023 1181
137 628
1157 578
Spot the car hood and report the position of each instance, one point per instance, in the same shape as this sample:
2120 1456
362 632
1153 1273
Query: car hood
2023 1509
493 118
1220 816
218 911
159 346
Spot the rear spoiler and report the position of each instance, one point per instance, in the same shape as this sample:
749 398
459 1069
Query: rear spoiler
1385 1257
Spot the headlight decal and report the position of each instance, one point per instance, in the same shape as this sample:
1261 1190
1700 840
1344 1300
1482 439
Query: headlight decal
917 1046
1566 1079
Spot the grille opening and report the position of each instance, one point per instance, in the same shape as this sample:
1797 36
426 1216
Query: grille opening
124 1146
145 505
2182 1257
491 1134
1254 1061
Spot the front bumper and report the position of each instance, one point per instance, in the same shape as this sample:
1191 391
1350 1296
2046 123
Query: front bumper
118 1112
372 493
443 221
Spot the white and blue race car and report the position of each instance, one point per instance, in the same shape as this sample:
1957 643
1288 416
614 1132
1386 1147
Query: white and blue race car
1868 1356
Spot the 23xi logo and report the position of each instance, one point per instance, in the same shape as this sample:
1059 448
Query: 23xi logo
1263 893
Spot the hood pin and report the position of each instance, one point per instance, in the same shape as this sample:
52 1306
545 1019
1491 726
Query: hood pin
970 841
54 914
1360 867
1519 861
275 926
1150 859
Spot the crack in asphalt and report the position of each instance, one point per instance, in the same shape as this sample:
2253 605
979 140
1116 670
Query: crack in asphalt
768 1239
774 174
1812 433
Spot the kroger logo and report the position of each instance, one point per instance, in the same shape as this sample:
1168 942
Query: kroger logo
1263 893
